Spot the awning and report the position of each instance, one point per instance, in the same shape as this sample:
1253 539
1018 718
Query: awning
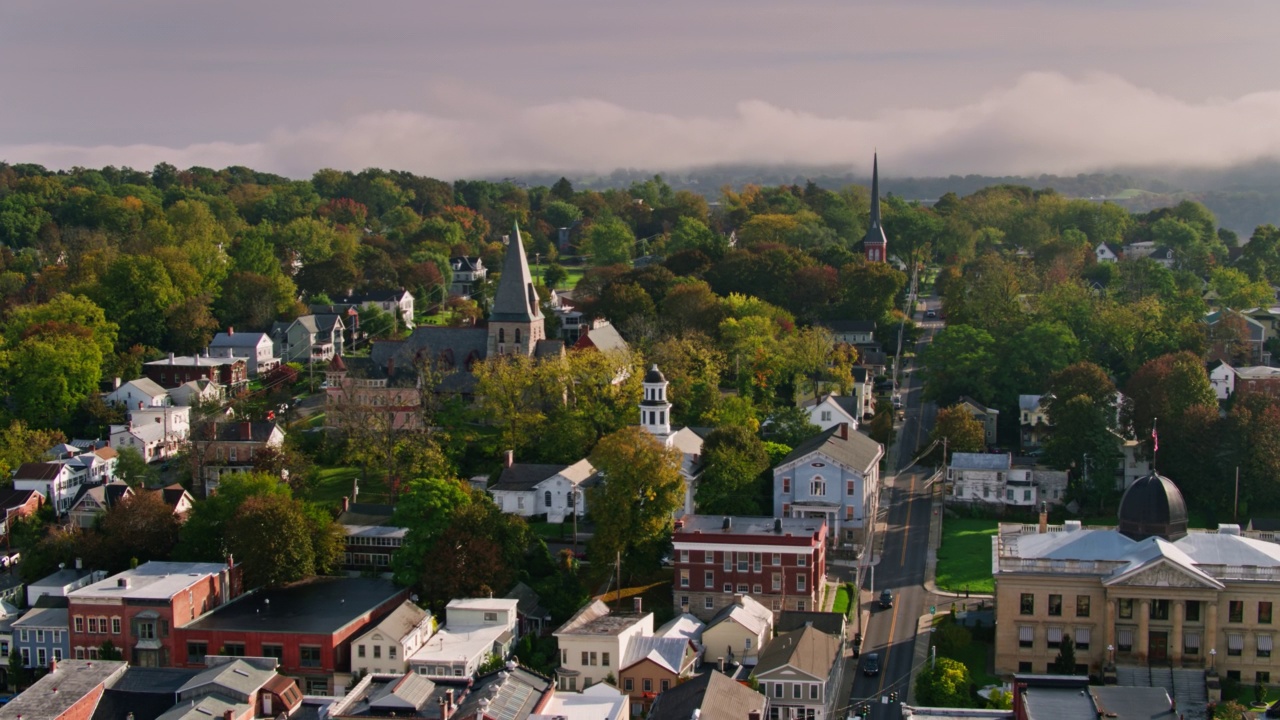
1191 641
1124 637
1082 636
1054 635
1235 642
1026 633
1264 643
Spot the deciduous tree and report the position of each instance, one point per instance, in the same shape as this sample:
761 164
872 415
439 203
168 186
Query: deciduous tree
632 507
960 429
271 536
733 459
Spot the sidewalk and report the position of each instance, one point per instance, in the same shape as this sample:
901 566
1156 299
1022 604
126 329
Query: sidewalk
931 559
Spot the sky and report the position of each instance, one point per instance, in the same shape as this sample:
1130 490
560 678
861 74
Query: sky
490 87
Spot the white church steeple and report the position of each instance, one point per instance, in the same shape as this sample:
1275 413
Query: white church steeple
655 411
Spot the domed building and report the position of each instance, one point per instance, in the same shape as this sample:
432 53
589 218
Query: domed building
1148 592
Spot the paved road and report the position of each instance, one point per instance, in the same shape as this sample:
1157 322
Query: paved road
905 508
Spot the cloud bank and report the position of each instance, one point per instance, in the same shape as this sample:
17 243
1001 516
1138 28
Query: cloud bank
1042 123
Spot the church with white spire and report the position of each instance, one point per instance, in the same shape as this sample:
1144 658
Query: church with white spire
655 418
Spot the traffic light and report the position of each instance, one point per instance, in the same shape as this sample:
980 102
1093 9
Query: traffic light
893 696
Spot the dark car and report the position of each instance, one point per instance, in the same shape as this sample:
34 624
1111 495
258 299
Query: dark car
886 598
871 665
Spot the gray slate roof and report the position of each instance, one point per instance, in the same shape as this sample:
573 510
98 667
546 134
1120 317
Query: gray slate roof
238 340
239 678
808 649
711 696
981 461
853 449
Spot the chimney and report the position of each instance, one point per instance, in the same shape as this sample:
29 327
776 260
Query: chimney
777 525
79 563
844 431
229 715
122 582
53 666
720 663
728 523
231 330
1044 518
753 715
246 431
509 458
391 366
346 503
637 605
231 560
170 358
115 382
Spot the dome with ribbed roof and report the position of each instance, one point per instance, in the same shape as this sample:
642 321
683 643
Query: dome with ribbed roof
654 375
1153 507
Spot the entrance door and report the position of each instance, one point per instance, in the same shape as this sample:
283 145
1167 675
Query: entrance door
1159 647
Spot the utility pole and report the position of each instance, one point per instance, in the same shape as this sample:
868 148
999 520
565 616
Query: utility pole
1235 507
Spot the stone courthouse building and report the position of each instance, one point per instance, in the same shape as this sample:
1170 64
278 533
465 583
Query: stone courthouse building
1149 592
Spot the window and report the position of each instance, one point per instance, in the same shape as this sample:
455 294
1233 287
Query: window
42 657
665 685
684 556
24 636
755 562
1008 494
491 617
795 691
604 659
1125 606
728 561
26 657
800 606
802 560
196 652
79 623
708 557
777 559
1053 636
546 498
233 649
594 658
1027 604
115 626
1236 611
777 690
1159 610
377 652
309 656
359 651
648 684
277 651
146 630
826 416
1235 644
708 580
1264 646
757 589
628 684
1082 606
728 587
93 625
1124 639
1264 613
1025 637
786 485
1055 605
1193 611
1083 636
817 486
742 589
743 561
79 653
684 578
1262 677
586 658
813 691
1191 643
849 488
684 601
708 603
1024 667
777 582
801 582
39 635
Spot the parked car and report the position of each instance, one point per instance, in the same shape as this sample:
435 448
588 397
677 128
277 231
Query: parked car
886 598
871 665
930 314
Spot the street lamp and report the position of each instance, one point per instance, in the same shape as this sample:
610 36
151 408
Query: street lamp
1213 654
1111 654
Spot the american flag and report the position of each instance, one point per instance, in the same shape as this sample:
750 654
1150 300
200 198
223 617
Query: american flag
1155 440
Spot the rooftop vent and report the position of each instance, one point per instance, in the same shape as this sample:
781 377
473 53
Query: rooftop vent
728 523
777 525
1071 526
1228 529
122 582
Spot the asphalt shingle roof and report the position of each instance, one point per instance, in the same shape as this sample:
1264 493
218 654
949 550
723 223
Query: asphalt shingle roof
853 448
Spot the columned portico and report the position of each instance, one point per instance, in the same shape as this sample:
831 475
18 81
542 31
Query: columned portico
1210 632
1144 630
1175 641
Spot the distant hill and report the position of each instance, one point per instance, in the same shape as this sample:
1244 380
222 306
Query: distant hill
1243 197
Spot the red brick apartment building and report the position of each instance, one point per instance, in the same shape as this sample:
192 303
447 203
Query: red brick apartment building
140 610
779 562
307 627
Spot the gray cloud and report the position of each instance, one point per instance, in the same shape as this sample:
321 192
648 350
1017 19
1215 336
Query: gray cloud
1042 122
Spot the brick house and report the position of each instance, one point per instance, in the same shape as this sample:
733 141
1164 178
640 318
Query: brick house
361 392
1258 379
16 504
307 627
140 610
779 562
230 374
228 447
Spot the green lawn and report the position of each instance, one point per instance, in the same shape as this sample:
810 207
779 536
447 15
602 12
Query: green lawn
974 657
553 531
575 273
333 484
964 560
842 600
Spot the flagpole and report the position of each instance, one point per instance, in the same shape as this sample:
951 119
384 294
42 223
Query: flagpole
1155 443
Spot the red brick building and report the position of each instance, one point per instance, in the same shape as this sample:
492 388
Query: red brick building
1258 379
140 610
307 627
779 562
230 374
17 504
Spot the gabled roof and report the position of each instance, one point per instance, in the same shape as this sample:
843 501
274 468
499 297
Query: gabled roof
848 326
207 707
515 300
846 404
239 340
710 696
548 348
238 678
522 477
831 623
808 650
146 386
527 601
510 694
684 626
10 499
465 264
401 621
747 612
981 461
1030 403
367 514
241 431
38 471
667 653
966 400
846 446
603 337
377 296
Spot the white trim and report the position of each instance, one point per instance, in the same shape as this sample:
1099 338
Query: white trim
780 549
